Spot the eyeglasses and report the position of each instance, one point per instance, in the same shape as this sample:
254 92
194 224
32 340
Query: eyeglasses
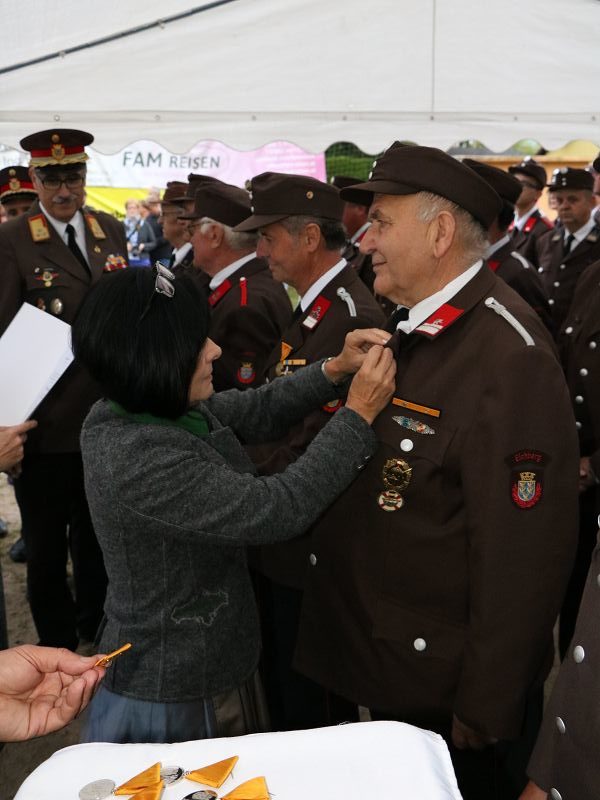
74 181
162 285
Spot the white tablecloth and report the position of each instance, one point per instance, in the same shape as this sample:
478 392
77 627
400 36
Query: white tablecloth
383 760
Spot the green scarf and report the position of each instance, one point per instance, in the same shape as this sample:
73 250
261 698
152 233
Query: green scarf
193 422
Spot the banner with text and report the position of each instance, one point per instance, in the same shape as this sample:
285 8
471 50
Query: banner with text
145 163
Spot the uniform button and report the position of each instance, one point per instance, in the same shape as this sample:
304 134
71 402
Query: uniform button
569 329
361 466
555 794
540 269
560 725
313 560
578 425
579 399
406 445
556 284
598 580
563 266
598 520
592 345
420 645
578 654
551 302
583 372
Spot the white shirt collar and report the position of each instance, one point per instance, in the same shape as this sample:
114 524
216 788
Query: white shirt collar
520 222
61 228
180 253
226 272
318 286
425 308
357 235
582 232
497 245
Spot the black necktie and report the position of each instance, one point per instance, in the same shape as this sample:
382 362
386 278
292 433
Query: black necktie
567 244
399 315
74 247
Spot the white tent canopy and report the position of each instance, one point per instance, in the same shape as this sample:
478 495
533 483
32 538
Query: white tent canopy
312 72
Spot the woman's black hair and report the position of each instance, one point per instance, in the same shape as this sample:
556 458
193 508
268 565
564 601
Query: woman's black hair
141 346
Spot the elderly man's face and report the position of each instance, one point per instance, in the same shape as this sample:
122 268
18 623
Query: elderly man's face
400 251
61 191
284 253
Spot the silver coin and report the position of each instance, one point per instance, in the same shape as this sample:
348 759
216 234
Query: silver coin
202 794
171 775
97 790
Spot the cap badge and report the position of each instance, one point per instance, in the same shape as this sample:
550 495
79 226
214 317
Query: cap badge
310 195
14 184
57 150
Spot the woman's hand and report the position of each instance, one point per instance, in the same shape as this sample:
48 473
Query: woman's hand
42 689
374 383
12 440
356 346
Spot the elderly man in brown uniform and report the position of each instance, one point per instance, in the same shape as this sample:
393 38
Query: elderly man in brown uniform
249 309
301 237
50 257
434 584
501 256
565 252
529 222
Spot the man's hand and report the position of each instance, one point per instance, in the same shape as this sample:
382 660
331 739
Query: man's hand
12 440
465 738
356 346
587 476
42 689
533 792
374 383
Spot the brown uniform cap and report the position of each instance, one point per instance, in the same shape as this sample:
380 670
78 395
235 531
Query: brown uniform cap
503 184
175 192
275 196
571 178
14 182
195 181
57 147
408 169
530 167
220 201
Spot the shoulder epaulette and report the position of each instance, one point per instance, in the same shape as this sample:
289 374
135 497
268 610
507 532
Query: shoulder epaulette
502 311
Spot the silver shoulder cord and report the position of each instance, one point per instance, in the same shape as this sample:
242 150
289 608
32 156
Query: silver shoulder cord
345 296
492 303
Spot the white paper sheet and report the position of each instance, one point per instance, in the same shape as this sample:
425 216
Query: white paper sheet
383 760
35 350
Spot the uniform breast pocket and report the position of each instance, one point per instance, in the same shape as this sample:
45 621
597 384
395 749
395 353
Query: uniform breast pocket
46 290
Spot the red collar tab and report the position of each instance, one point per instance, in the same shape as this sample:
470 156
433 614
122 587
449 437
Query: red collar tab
317 311
243 292
530 224
219 292
441 319
493 264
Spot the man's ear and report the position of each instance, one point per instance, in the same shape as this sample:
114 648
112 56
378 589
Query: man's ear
442 232
311 236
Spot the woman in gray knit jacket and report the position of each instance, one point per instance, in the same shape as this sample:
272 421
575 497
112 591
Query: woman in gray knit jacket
175 500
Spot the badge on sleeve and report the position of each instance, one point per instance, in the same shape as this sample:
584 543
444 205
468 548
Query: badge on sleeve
526 477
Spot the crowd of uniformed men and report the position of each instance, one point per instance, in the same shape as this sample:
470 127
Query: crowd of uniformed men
429 591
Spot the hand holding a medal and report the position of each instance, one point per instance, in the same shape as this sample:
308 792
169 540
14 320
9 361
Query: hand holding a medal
373 385
356 346
42 689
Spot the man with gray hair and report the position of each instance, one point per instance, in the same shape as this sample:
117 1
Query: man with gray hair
249 309
435 580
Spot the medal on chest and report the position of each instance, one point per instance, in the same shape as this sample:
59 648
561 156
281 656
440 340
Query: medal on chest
396 475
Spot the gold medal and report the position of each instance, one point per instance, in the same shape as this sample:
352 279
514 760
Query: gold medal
396 475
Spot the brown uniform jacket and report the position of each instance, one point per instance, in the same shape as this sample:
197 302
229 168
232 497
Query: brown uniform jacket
579 343
525 241
286 563
560 273
565 757
46 274
515 270
249 311
447 605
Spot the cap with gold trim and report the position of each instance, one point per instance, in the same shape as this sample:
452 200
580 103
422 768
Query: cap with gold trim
14 182
57 147
410 169
275 196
